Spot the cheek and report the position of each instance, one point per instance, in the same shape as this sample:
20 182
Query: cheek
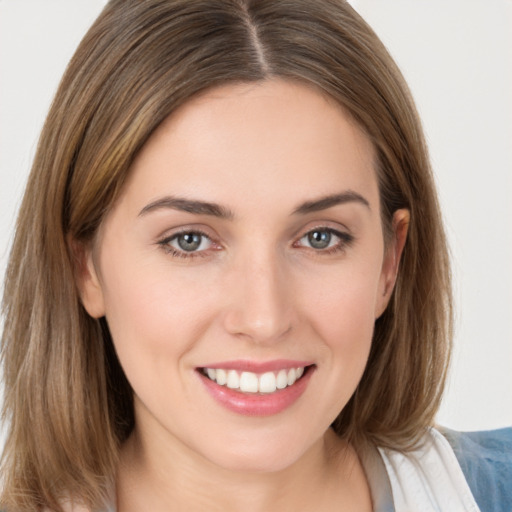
344 303
154 318
341 310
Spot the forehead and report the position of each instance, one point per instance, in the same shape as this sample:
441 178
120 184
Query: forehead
255 142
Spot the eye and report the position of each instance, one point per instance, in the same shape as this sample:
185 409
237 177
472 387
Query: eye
319 239
187 243
190 242
325 239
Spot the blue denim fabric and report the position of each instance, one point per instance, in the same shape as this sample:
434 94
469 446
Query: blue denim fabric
486 461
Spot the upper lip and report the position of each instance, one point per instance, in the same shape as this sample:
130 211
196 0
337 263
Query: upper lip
258 366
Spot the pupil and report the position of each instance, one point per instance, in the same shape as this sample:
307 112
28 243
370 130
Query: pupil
319 239
189 241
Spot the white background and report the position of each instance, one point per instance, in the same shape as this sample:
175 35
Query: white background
457 58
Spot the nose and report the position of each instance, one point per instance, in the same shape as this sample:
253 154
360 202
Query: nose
260 305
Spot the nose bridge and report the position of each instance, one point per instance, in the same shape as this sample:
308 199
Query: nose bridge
261 306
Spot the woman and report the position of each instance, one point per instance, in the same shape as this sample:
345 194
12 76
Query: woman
234 289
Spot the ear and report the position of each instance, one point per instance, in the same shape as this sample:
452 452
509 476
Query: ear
393 253
87 279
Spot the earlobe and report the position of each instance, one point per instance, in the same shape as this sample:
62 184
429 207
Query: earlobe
87 279
400 226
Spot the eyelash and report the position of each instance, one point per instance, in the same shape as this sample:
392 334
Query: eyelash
345 241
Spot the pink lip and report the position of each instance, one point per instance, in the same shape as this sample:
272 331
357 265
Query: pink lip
258 366
255 404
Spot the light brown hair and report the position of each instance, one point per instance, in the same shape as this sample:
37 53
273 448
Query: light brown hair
67 403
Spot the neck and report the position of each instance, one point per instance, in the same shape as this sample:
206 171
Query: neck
154 477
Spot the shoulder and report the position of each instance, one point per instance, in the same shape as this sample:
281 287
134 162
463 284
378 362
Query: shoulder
486 461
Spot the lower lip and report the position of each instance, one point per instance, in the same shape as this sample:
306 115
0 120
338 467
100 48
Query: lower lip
253 404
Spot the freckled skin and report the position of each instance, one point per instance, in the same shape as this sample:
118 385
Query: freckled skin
257 289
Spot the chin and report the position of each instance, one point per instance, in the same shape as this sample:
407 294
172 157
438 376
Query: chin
265 454
254 463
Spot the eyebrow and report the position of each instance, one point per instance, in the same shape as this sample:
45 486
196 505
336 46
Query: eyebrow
323 203
188 205
199 207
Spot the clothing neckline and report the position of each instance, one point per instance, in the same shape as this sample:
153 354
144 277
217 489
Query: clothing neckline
378 479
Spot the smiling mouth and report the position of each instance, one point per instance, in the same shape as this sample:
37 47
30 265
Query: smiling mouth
249 382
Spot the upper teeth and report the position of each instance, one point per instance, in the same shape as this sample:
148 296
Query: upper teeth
250 382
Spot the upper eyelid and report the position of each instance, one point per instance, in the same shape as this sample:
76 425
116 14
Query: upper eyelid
173 233
333 227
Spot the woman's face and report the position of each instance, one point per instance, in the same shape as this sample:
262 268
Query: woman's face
246 249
